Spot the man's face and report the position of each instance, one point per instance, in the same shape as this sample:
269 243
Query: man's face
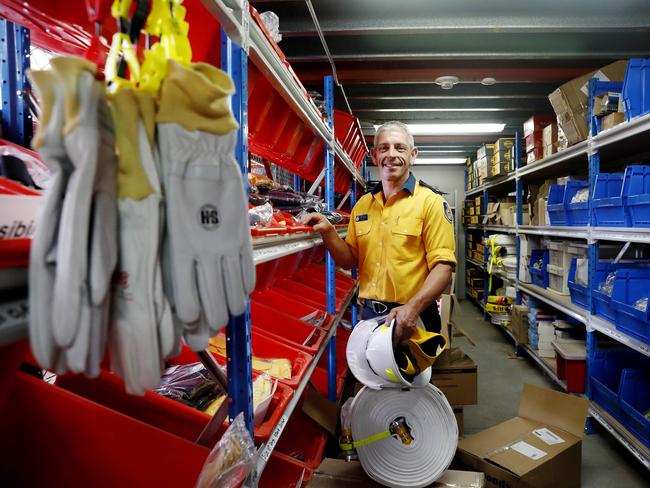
393 155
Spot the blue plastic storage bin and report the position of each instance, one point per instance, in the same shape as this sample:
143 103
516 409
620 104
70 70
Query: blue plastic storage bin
605 373
630 286
636 188
609 204
635 402
555 205
539 276
577 214
579 294
636 88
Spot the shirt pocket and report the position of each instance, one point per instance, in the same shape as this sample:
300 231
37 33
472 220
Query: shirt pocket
362 228
407 239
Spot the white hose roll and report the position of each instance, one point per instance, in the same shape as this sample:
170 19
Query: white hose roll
433 427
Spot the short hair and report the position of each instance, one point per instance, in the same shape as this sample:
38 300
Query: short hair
394 124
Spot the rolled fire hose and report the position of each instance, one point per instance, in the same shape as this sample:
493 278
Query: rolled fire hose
404 437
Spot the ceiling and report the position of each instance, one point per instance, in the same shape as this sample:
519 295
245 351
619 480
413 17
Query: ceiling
387 55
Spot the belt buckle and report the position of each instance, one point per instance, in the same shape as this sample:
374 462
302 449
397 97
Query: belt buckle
375 303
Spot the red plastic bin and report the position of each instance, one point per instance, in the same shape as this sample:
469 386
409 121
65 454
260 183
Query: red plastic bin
52 437
283 471
307 293
319 285
571 365
290 306
285 328
303 440
319 380
268 348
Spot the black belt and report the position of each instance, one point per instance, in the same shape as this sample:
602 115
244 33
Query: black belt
378 306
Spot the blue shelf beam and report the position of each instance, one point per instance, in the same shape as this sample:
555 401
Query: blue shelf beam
14 54
238 332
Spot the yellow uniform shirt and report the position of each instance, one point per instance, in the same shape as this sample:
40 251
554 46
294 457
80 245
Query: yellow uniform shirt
398 242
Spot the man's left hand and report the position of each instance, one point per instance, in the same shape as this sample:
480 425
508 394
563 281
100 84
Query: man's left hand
406 317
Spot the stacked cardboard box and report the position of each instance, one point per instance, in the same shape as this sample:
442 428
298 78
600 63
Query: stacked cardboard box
571 104
483 161
501 162
533 143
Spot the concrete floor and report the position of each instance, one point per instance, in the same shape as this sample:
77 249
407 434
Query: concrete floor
501 376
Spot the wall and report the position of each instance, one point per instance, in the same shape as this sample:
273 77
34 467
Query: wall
446 179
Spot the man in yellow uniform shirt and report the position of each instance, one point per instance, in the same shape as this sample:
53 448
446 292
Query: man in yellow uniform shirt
401 237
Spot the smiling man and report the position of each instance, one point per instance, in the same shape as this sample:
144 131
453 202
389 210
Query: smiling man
401 237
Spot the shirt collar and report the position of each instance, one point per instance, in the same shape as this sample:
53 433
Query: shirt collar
409 185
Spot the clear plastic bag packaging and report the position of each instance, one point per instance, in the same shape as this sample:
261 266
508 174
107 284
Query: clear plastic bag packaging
641 304
231 460
607 287
261 215
581 196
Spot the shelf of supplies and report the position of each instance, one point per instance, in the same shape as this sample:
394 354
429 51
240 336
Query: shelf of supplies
546 365
474 191
555 231
274 247
245 32
603 326
503 276
264 452
493 183
13 321
620 433
474 227
474 262
560 302
550 166
508 229
623 140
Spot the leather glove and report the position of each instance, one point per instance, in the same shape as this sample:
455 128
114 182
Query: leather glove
418 352
207 222
48 141
87 250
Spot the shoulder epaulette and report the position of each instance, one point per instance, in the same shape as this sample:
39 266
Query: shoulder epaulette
432 188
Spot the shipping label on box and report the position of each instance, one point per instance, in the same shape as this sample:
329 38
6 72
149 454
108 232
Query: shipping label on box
517 452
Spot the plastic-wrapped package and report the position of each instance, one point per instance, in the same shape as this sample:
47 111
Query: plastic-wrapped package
581 196
607 287
261 215
582 272
272 24
641 304
231 460
315 318
189 384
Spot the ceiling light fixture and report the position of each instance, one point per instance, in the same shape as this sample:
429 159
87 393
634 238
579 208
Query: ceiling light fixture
447 82
460 128
438 161
488 81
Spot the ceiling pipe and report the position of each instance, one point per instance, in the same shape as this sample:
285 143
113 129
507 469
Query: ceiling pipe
312 12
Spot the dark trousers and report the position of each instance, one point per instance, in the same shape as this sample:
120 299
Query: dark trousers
374 308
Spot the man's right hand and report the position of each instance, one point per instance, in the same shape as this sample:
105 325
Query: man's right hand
318 221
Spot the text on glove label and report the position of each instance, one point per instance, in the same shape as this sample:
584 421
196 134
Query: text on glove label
209 217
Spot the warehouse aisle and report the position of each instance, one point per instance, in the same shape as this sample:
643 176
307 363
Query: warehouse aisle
500 379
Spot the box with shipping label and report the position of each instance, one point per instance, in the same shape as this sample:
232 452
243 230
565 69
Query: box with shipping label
536 123
570 102
541 447
455 374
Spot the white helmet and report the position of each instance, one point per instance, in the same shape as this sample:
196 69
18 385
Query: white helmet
371 356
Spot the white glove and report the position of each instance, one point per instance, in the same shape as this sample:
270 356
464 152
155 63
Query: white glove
207 223
42 265
87 250
142 323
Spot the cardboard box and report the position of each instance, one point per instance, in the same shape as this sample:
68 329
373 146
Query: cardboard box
485 151
502 157
335 473
570 100
609 121
458 413
455 374
519 323
500 169
535 155
541 447
504 144
536 123
550 149
549 134
473 220
533 141
540 216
